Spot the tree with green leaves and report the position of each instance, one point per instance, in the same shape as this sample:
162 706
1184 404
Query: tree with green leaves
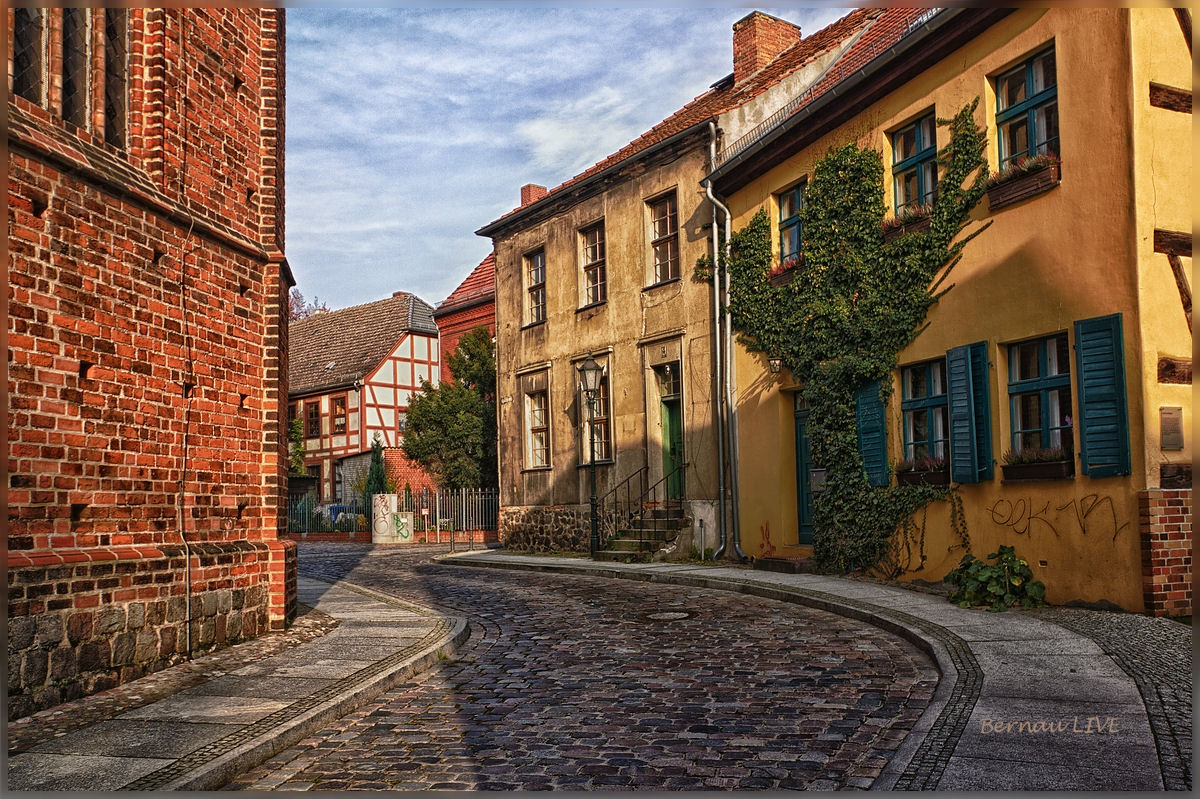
451 428
296 447
853 304
377 481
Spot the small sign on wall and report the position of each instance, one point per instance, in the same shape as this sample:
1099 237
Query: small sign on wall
1171 427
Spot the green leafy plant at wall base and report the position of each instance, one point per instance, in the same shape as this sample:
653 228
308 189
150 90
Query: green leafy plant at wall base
855 302
1007 582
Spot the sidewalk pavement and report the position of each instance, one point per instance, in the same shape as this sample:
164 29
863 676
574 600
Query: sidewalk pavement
1023 703
203 736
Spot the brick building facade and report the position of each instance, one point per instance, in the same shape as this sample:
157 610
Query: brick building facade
147 331
472 304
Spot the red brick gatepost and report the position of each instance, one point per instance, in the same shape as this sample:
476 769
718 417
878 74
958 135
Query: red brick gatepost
1165 524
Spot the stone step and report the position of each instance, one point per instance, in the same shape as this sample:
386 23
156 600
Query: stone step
622 557
624 544
647 534
796 565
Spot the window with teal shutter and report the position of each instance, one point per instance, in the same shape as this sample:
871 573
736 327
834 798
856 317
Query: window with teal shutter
970 413
1103 411
872 433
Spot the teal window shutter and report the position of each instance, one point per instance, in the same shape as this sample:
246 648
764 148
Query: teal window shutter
970 413
1103 412
964 459
872 433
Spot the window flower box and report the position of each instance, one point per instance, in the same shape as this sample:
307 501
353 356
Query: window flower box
1048 470
1026 178
908 220
785 272
936 477
1052 463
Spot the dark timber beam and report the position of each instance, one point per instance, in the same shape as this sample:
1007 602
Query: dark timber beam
1170 98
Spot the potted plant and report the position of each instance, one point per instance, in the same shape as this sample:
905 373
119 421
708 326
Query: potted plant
784 272
909 219
1023 178
923 471
1038 463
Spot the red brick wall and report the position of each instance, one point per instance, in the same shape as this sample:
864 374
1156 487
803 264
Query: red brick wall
147 293
1165 521
757 39
453 326
403 471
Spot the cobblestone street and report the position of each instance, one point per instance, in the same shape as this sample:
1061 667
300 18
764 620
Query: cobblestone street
577 683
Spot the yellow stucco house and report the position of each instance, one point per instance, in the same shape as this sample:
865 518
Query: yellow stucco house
1068 328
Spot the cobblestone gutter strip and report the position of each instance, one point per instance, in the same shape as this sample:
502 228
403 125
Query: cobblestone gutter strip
214 765
919 764
30 731
1157 654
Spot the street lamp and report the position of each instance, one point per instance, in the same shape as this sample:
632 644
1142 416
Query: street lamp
589 382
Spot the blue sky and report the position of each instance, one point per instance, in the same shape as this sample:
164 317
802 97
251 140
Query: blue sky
410 126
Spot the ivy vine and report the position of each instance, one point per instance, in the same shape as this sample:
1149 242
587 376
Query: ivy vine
854 302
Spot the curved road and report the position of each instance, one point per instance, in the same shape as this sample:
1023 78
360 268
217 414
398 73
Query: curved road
582 683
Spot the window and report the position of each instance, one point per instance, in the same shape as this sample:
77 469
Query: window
338 406
312 412
1027 109
80 58
594 278
314 472
535 277
537 431
1039 389
790 204
596 432
291 413
29 54
664 238
914 163
401 421
116 66
338 477
923 403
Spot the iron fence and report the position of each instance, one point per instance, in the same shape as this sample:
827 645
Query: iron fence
468 510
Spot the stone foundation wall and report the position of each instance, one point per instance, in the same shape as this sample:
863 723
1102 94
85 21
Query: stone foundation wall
82 621
545 528
1165 522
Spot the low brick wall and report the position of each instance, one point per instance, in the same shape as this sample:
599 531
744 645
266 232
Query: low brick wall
1165 522
545 528
81 621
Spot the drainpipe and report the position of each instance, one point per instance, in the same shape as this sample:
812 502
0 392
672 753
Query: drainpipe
729 393
717 361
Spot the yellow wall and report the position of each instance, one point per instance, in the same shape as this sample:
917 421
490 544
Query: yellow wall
1080 250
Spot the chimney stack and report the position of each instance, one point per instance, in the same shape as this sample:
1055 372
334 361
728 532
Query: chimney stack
531 193
757 39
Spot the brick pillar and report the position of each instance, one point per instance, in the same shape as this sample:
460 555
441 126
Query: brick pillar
1165 525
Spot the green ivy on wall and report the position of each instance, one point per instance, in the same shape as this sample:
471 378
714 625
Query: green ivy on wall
854 302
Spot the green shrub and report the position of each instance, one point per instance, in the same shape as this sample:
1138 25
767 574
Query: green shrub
1007 582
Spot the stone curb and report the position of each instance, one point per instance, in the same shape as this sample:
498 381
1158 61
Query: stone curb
217 772
903 757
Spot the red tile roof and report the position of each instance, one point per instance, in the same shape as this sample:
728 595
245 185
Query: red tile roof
336 348
478 286
726 95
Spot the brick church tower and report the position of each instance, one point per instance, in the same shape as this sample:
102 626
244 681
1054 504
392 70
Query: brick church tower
147 341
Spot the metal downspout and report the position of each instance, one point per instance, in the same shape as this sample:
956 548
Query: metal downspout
728 393
717 360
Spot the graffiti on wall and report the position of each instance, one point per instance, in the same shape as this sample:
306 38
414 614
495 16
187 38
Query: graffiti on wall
1090 515
766 548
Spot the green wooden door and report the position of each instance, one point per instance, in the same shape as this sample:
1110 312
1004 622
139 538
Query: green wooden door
803 468
672 422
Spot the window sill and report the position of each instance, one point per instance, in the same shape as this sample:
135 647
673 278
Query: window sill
532 469
661 283
532 325
585 464
591 306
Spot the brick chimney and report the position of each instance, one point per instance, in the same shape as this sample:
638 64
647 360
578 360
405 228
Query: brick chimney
757 39
531 193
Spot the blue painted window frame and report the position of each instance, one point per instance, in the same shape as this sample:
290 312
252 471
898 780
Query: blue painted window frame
1029 108
789 226
1042 385
909 406
926 153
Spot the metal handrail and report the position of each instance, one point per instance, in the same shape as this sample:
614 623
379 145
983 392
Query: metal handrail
626 507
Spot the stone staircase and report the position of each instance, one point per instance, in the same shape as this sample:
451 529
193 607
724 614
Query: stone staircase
651 535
